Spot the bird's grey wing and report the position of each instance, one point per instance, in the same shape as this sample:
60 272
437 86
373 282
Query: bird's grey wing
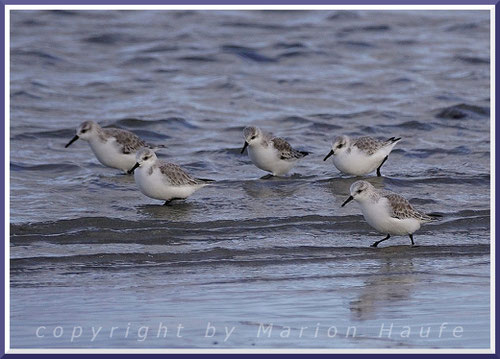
368 144
285 150
402 209
175 175
128 141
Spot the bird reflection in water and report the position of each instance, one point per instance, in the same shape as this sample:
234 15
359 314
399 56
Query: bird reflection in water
390 287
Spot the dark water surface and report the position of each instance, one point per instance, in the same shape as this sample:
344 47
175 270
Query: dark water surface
88 250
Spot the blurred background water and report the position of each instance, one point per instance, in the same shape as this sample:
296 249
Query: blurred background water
88 249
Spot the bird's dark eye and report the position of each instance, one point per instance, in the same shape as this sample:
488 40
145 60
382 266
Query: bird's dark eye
339 146
359 191
253 137
84 130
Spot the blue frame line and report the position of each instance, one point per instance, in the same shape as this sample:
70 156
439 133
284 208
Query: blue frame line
209 2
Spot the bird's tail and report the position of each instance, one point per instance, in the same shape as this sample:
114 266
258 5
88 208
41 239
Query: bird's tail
393 139
432 217
204 180
155 147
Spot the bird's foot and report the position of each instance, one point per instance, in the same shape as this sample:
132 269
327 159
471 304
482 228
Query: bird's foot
268 176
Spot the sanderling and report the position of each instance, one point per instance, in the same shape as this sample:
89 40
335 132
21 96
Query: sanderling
362 155
161 180
113 147
269 153
387 211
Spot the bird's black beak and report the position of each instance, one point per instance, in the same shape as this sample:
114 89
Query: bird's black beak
244 147
130 171
328 155
72 140
347 201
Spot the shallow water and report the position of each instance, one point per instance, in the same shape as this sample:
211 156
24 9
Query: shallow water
89 250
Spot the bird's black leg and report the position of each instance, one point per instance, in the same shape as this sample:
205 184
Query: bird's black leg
411 238
378 169
377 242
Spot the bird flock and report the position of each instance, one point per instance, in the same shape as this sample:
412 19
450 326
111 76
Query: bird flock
387 212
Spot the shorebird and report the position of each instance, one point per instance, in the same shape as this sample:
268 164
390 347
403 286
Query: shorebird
113 147
269 153
387 212
362 155
162 180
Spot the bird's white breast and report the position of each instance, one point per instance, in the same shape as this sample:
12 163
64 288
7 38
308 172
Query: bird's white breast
267 158
378 215
109 154
155 186
358 163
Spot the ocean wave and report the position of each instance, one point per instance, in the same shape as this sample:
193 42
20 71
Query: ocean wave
466 26
141 61
289 45
247 53
255 25
296 53
364 28
241 257
356 44
198 58
344 15
112 39
49 167
169 122
62 133
462 111
473 60
25 95
114 230
161 48
37 55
